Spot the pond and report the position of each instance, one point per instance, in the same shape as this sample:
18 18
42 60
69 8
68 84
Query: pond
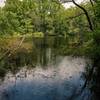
54 77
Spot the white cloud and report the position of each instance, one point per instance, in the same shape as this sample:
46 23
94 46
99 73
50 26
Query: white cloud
2 3
67 5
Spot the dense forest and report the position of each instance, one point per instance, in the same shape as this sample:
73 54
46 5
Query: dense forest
74 31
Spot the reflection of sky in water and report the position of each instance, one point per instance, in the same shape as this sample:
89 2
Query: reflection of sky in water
61 82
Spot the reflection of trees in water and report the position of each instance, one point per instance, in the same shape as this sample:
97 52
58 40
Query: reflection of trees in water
45 50
48 47
48 83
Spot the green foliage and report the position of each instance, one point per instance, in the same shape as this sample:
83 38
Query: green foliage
29 16
97 7
40 18
38 34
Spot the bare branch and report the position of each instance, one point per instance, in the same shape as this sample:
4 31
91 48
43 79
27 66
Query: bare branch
86 13
72 17
65 1
91 3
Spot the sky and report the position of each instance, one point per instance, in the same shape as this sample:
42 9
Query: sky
2 3
67 5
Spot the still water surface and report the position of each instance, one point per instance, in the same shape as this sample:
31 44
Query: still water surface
60 81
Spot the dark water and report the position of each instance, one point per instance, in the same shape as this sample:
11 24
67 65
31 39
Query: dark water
54 77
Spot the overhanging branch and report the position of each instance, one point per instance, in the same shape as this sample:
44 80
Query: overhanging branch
86 13
65 1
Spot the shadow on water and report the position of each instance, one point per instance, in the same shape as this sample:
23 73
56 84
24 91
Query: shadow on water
60 79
